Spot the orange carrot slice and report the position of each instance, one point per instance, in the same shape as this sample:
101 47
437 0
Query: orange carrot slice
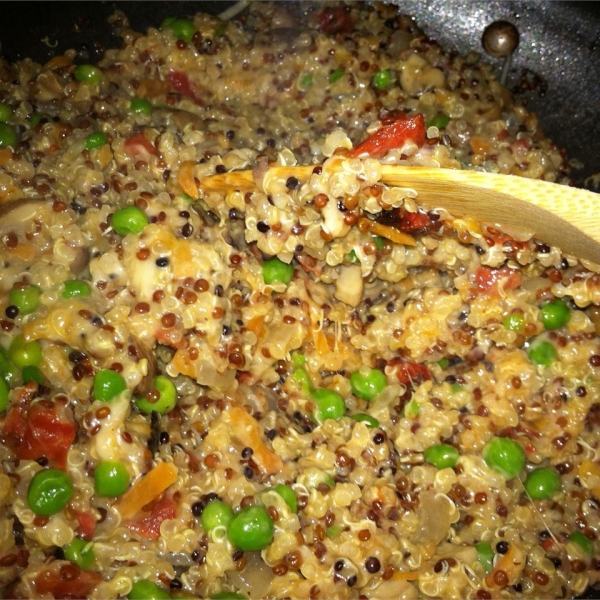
247 430
392 234
186 179
512 563
146 489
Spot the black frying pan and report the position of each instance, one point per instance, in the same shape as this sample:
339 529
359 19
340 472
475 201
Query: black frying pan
556 68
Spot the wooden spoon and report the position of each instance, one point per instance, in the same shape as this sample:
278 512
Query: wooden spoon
560 215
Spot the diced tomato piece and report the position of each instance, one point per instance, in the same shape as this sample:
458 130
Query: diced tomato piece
37 429
193 462
49 581
495 237
394 135
409 373
334 19
163 336
87 524
149 526
529 448
492 281
412 222
137 145
547 544
387 118
181 84
522 144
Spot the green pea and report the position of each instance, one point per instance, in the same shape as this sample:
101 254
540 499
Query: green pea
366 383
440 121
31 373
306 81
251 529
542 353
8 371
107 385
334 531
582 540
8 136
514 322
555 314
5 112
75 288
351 257
276 271
80 552
228 596
183 29
167 22
542 483
443 363
303 378
95 140
88 74
368 419
4 392
336 75
378 241
298 360
167 398
441 456
412 409
23 353
505 456
143 589
313 477
26 299
330 405
289 496
216 514
382 79
36 118
485 555
111 478
49 492
140 106
130 219
220 30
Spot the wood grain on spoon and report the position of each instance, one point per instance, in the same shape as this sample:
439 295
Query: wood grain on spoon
562 216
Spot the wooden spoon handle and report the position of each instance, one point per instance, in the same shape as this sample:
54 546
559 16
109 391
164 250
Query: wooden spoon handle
559 215
562 216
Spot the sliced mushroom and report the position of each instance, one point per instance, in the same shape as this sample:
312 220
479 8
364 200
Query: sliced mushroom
147 381
255 580
80 262
207 215
17 212
154 440
179 118
399 42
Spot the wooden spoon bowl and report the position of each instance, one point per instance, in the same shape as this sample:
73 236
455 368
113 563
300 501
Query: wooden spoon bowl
559 215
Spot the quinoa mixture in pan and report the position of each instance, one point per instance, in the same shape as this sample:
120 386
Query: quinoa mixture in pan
291 387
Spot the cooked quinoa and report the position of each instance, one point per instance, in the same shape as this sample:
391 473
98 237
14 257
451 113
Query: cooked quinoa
375 401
